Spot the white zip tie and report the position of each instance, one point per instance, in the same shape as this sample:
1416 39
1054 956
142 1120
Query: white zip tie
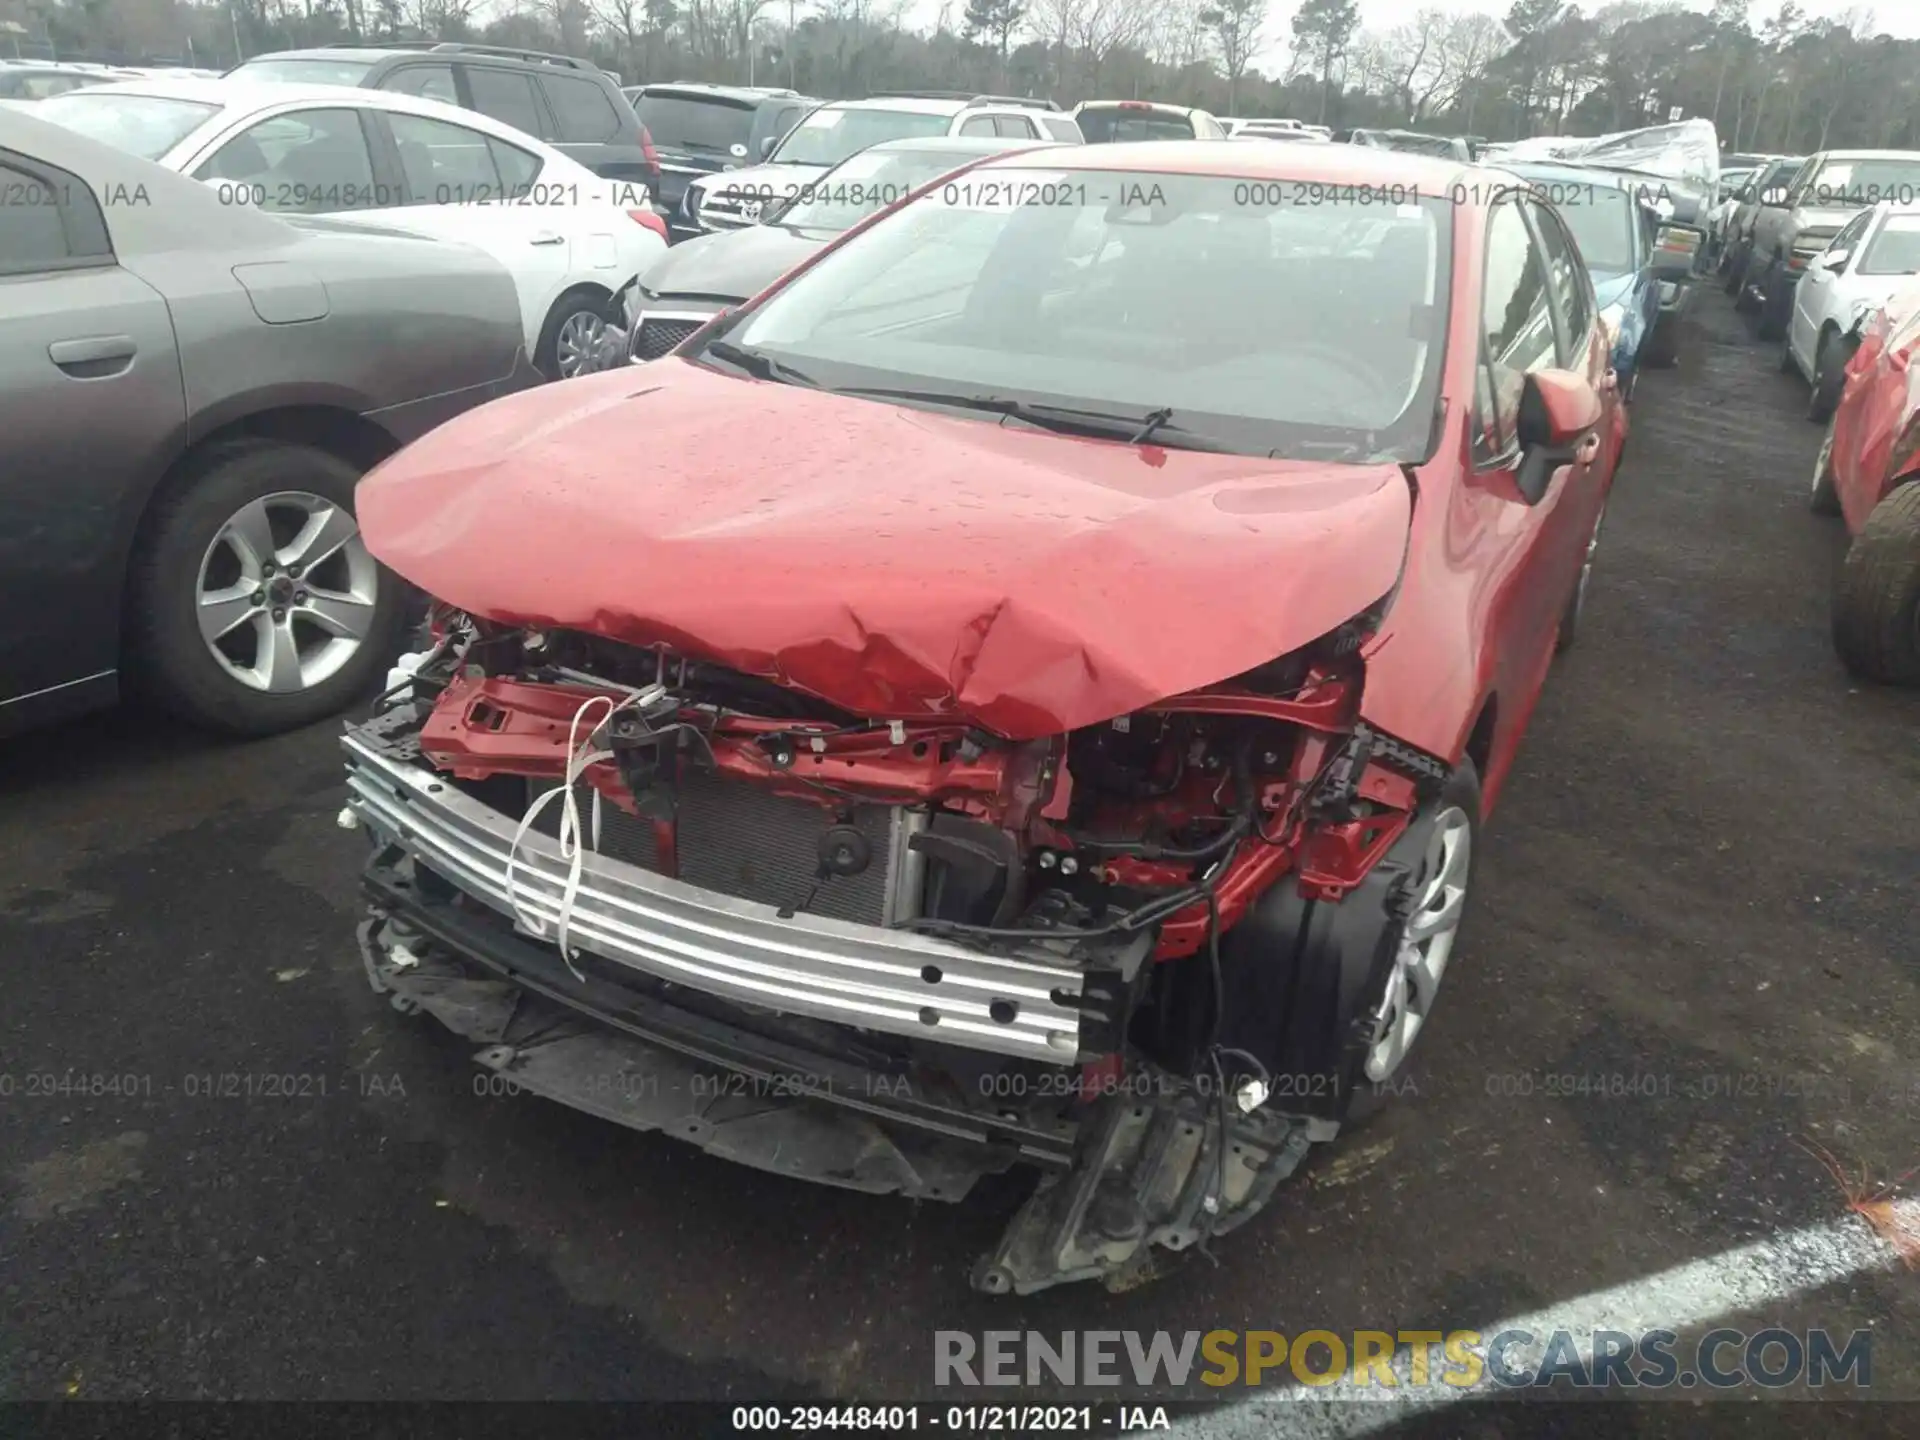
573 846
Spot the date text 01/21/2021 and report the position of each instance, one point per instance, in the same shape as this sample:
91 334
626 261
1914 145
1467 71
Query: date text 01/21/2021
955 1419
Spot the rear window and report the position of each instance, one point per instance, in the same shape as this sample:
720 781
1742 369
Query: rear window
695 124
829 135
1865 182
1601 218
1896 249
1116 126
581 108
143 125
306 72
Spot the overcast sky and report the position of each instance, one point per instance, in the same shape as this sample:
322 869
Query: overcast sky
1890 17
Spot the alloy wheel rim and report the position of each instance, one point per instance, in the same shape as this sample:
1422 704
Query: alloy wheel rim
1426 944
1825 459
579 341
285 593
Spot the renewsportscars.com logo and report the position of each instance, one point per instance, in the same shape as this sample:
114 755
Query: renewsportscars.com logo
1376 1360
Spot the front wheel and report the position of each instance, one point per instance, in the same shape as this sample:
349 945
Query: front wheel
574 335
1825 500
1577 601
1876 601
1829 376
253 605
1438 854
1776 302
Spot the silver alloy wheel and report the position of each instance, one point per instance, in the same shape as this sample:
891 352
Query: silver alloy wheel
1426 944
1826 458
1586 563
286 592
578 344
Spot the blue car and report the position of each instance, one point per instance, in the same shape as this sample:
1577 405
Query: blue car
1640 287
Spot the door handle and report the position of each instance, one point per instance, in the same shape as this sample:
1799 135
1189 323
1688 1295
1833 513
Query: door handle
547 237
93 356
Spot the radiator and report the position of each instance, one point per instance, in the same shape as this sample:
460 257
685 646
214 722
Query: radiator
745 841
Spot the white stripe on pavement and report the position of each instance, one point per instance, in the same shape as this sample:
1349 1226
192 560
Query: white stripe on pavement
1687 1298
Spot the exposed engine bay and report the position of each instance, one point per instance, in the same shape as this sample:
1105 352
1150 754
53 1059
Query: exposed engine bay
900 954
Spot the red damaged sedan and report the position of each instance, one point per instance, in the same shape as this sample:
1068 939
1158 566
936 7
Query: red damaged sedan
1866 472
1023 691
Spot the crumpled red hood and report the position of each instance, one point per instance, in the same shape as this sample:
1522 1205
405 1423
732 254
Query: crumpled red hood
898 563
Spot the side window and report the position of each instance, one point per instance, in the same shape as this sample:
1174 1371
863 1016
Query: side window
32 236
307 161
507 96
1568 282
517 168
448 164
1793 183
1515 314
979 125
580 108
1014 127
435 82
1850 237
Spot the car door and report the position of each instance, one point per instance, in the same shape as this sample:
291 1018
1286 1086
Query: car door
1814 297
467 185
1527 551
90 399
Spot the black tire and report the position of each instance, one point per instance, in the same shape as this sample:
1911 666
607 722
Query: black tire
1736 285
1776 305
546 357
1577 602
1823 499
1371 1098
1830 357
167 661
1876 600
1661 349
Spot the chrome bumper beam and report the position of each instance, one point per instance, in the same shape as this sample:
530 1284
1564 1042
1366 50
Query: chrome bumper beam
856 975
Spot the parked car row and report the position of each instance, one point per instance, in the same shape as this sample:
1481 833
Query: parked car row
1823 253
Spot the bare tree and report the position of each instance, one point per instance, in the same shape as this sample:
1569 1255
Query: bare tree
1234 26
1413 51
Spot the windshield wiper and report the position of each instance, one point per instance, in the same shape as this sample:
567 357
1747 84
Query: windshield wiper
758 364
1064 419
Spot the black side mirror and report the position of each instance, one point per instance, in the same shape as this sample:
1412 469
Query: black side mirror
767 142
1558 413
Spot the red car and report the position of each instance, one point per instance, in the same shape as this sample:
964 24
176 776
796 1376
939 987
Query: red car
1872 451
1022 690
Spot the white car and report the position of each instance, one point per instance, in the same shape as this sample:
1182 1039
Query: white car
1876 254
734 199
570 239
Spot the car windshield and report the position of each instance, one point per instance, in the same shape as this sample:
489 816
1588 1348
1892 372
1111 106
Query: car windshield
1896 249
700 124
864 183
144 125
1266 328
1601 218
317 71
829 135
1865 182
1115 125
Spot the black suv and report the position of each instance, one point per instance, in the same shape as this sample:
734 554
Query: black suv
704 129
573 105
